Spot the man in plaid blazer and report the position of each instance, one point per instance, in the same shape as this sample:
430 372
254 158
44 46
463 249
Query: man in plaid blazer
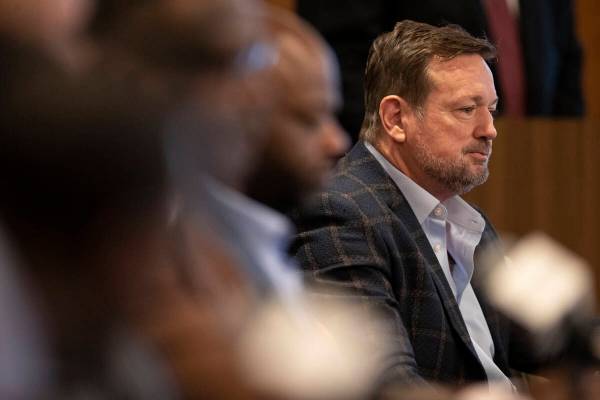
391 230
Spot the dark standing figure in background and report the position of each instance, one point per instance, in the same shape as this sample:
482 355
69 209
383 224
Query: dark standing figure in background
545 31
391 228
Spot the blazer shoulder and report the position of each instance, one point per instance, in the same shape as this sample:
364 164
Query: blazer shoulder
359 188
357 170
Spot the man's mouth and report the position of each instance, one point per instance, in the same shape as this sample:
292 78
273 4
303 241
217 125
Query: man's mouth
483 151
479 153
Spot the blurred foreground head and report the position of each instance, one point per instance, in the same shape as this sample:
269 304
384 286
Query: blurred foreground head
83 172
303 137
257 100
75 148
88 187
78 159
213 56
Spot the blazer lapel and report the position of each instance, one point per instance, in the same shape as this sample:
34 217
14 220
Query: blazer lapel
390 194
497 324
437 274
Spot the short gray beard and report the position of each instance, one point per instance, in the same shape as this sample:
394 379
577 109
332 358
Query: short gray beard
453 175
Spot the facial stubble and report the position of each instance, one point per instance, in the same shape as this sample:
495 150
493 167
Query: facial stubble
453 174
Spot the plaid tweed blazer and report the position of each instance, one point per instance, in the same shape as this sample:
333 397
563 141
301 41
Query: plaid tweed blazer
360 235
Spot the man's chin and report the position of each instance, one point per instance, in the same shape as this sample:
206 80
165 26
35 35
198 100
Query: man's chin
478 178
478 170
463 183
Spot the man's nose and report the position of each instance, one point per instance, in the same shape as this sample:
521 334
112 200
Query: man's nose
486 128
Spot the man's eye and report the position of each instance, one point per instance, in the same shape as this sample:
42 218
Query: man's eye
467 110
494 112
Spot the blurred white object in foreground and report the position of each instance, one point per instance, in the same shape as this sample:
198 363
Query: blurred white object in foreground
540 283
323 356
488 392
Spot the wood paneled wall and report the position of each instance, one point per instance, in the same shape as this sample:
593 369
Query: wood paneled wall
588 15
545 175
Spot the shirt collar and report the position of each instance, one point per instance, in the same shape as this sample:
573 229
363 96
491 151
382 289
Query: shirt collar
462 214
423 203
420 200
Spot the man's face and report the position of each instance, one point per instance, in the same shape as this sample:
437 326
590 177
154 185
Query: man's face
304 138
451 142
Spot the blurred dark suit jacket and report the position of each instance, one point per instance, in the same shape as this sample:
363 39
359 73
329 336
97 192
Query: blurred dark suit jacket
361 236
552 55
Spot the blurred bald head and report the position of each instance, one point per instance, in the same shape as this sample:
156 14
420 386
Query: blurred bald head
300 49
210 53
303 136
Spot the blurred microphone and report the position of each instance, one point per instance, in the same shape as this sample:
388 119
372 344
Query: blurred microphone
548 290
322 355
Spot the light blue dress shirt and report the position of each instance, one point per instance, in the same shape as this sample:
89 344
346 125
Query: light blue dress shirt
453 227
260 237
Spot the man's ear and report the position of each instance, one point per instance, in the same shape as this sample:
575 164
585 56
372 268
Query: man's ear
391 109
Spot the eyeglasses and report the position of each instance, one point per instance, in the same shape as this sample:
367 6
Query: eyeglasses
256 57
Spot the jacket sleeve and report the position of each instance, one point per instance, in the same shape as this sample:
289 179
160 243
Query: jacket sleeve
344 256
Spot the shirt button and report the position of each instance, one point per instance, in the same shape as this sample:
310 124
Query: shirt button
437 247
438 212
